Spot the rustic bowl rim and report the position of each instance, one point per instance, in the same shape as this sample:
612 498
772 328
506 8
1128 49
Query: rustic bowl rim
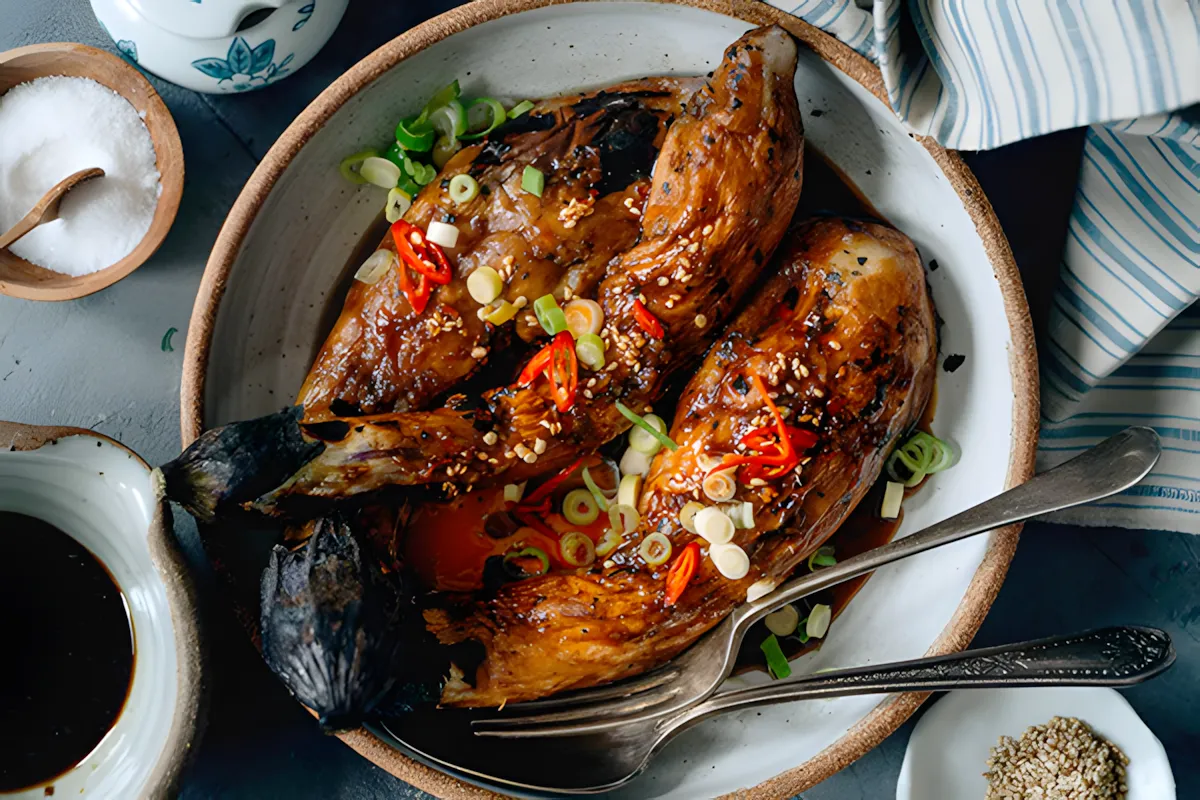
985 584
168 150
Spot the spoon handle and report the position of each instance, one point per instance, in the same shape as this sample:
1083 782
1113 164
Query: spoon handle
1114 465
1117 656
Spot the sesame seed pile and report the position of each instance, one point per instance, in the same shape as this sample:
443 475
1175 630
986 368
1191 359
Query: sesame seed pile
1061 760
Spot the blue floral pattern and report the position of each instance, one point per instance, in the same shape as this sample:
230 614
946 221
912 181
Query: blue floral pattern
128 49
306 13
247 67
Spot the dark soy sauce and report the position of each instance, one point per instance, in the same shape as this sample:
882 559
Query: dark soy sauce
66 652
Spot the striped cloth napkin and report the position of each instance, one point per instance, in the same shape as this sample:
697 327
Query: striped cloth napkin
1123 343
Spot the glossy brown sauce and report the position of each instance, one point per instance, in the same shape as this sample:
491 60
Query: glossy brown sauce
66 652
827 190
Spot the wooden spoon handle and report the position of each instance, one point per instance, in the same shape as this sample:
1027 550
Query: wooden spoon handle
46 209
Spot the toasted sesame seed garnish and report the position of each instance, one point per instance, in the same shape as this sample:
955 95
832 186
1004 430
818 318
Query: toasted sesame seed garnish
803 371
700 320
529 457
670 304
587 393
706 230
482 456
817 392
490 438
509 454
522 450
757 482
805 460
609 563
539 445
479 353
834 345
805 418
545 423
789 388
663 281
1061 760
693 247
521 301
841 371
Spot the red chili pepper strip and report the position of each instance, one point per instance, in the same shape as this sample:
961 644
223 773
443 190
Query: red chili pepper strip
781 438
536 366
543 491
648 321
422 257
681 572
563 371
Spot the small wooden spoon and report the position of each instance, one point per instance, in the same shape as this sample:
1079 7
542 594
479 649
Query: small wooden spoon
46 209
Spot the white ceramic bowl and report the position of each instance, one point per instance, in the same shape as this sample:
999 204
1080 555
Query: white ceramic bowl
262 305
103 495
203 47
949 748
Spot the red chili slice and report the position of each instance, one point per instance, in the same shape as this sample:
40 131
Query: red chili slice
648 321
563 371
681 572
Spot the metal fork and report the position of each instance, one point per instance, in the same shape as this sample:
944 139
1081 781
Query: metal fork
1106 469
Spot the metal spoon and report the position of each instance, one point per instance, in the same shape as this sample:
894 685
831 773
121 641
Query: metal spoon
46 209
600 762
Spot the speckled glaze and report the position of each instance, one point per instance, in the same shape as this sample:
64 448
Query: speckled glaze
105 496
201 44
262 311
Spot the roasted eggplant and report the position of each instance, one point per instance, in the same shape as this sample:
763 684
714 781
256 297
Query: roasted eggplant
596 151
333 623
843 341
724 189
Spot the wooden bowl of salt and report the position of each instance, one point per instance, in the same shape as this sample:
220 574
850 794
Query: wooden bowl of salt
25 279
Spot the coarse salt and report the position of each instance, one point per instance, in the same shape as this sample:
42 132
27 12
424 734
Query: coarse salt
53 127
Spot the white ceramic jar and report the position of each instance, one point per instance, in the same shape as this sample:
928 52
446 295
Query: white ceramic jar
220 46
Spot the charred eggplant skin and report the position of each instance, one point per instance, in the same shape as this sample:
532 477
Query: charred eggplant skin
332 624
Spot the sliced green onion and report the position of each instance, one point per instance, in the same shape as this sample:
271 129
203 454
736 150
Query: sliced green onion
375 267
729 559
687 515
415 135
713 525
463 189
533 181
655 549
443 234
548 313
610 541
500 313
513 492
351 164
449 120
577 549
629 492
921 455
380 172
719 486
395 154
893 496
484 115
590 349
784 621
594 488
623 518
584 316
647 443
818 621
484 285
776 662
423 174
441 97
580 508
398 203
520 108
535 552
444 150
634 462
638 420
821 557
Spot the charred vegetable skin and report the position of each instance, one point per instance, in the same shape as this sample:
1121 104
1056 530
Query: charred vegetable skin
331 624
707 231
382 357
844 336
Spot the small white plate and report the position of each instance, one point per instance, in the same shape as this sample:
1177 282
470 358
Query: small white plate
947 754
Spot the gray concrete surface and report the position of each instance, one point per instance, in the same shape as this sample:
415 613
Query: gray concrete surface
97 363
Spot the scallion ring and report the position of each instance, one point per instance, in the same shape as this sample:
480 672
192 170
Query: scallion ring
351 164
380 171
655 549
821 557
920 455
484 115
638 420
549 314
624 519
580 508
777 663
441 97
590 349
415 136
463 189
520 108
526 553
577 549
398 203
533 181
444 150
610 541
597 494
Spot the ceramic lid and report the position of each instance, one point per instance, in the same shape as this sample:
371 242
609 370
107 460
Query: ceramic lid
211 19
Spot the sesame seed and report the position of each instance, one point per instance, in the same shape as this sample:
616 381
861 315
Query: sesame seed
818 392
509 454
757 482
478 353
587 393
693 247
490 438
529 457
700 320
522 450
834 345
664 280
804 371
520 302
706 230
545 423
539 446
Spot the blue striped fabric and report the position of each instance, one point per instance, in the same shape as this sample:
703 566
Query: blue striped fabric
1123 346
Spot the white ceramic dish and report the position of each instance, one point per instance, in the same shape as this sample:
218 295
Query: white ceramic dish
207 47
284 248
103 495
949 748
